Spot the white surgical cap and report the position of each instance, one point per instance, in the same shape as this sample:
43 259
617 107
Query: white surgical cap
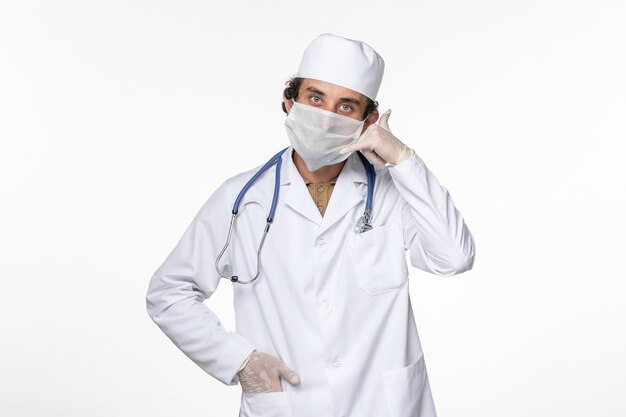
345 62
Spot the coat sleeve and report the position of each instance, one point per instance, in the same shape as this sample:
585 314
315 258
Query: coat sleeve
186 278
434 230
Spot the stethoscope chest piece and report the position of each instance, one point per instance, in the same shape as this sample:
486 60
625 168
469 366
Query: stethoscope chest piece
363 224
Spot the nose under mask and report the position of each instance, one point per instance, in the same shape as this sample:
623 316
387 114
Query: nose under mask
318 135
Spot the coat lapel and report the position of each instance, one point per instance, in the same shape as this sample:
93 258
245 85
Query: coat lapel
346 195
297 195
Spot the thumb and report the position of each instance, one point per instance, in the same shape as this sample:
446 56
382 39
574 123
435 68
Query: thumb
384 120
289 375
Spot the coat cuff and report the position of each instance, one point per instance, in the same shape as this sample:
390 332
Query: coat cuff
409 166
232 357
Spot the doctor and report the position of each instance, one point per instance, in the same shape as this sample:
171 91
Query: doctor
327 327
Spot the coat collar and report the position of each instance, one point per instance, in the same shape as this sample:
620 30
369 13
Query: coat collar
353 166
345 196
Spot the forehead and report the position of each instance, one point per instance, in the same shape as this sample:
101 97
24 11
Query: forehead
331 90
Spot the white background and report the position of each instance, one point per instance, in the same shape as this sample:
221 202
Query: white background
118 119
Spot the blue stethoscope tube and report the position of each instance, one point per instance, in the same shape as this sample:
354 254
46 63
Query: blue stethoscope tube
362 225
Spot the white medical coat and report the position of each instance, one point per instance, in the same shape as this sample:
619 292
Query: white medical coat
333 305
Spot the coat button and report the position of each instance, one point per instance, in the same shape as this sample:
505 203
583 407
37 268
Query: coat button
321 242
336 364
326 305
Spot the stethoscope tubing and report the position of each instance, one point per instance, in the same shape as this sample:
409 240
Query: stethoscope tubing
362 225
274 159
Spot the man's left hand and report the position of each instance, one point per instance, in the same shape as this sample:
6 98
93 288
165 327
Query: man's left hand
379 145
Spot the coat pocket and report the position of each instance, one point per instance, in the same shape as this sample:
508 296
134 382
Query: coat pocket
265 404
378 259
407 391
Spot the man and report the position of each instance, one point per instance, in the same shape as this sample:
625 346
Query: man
327 327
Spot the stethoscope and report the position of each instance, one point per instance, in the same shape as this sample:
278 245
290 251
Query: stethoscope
362 225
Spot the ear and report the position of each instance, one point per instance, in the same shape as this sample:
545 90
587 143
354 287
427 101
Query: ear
288 103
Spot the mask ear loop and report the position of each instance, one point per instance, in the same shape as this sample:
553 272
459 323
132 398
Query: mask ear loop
375 109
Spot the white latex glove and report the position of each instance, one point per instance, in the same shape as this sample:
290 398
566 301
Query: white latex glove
262 373
379 145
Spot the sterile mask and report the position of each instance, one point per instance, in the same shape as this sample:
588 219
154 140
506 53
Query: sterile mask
318 135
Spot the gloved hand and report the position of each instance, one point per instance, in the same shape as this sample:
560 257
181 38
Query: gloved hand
379 145
262 374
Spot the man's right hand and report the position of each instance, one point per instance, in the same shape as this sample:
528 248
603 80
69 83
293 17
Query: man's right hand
262 374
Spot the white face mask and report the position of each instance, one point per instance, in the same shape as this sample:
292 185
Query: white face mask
318 135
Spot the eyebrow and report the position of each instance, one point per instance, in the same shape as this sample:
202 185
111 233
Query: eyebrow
321 93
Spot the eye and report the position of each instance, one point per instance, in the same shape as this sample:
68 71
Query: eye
315 99
346 107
